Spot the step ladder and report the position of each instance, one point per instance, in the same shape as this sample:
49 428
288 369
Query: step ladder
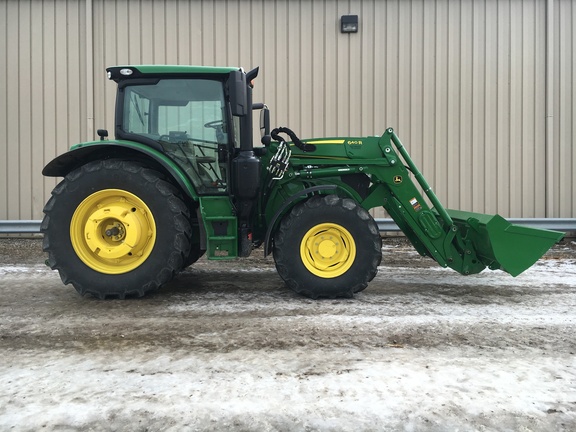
221 227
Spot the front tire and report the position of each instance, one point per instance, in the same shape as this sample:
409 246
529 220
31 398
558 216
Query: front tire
327 247
116 228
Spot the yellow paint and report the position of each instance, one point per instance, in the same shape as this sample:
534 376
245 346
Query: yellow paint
325 142
328 250
132 225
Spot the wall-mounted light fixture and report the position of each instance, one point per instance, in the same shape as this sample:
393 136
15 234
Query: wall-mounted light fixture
349 24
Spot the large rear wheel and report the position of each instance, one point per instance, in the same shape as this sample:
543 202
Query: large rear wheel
116 228
195 252
327 247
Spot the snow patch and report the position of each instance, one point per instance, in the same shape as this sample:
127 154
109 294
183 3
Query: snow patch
12 269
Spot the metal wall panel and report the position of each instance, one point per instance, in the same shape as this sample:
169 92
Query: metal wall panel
563 153
467 84
42 105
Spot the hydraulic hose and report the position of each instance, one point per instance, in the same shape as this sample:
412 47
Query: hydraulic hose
297 142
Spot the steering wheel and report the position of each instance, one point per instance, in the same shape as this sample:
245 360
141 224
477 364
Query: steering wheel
215 124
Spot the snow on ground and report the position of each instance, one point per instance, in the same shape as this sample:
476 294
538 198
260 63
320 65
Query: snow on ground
229 348
299 389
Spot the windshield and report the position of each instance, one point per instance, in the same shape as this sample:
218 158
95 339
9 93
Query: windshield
187 117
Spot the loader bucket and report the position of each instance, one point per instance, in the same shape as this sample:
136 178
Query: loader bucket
502 245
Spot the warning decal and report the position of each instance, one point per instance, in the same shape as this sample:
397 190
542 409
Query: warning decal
415 205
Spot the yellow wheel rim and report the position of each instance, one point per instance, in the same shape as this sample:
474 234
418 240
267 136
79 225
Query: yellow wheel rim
113 231
328 250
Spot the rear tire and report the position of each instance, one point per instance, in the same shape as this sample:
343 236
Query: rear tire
116 228
195 252
327 247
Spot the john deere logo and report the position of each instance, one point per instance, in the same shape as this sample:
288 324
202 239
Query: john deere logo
397 179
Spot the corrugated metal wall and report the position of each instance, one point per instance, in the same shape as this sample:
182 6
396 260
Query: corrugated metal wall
42 97
481 92
562 158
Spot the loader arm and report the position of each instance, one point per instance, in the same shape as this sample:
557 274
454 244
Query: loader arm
464 241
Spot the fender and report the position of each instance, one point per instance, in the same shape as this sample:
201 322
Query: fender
81 154
282 209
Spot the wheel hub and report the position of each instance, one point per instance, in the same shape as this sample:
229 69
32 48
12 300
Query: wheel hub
113 231
328 250
116 231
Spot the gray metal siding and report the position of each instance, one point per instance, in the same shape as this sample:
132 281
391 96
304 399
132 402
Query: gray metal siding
563 153
42 106
480 92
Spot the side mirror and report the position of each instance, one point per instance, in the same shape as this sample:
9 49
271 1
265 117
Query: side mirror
238 93
264 121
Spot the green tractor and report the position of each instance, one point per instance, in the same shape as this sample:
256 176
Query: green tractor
182 178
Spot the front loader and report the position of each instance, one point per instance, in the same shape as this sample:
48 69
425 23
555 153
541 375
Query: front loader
182 179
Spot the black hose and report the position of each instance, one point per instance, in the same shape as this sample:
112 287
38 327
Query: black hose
297 142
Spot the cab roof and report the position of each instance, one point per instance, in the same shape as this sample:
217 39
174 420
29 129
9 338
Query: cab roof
120 73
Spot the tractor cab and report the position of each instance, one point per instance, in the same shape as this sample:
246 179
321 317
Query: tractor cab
184 117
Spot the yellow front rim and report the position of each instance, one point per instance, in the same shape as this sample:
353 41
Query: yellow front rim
113 231
328 250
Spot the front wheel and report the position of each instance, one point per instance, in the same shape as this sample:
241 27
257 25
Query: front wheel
327 247
115 228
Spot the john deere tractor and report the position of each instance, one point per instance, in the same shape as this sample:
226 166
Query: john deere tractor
182 178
